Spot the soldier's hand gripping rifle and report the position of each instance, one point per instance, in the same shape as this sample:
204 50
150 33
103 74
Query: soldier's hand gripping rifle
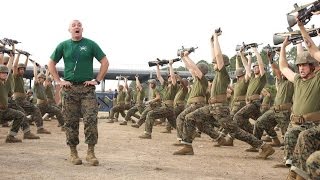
305 13
23 52
271 51
183 49
162 62
244 47
9 42
5 50
295 37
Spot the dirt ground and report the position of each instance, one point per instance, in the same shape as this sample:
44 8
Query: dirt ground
123 155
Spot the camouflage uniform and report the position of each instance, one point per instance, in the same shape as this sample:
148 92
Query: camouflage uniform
165 111
313 165
252 109
196 100
279 113
265 105
308 142
120 107
44 105
138 107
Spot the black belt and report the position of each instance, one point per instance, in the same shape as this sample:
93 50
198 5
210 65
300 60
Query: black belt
77 83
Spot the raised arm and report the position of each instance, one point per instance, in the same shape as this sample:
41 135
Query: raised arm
259 60
126 87
247 67
15 64
217 51
275 69
159 77
283 63
193 69
172 74
138 84
35 72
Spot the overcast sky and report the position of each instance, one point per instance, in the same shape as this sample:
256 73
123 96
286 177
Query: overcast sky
133 32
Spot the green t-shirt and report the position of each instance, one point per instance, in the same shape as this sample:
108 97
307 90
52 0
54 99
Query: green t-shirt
10 84
18 84
284 92
128 97
3 94
256 84
140 96
240 88
266 100
220 82
306 93
40 91
121 97
181 94
169 92
78 58
199 87
49 91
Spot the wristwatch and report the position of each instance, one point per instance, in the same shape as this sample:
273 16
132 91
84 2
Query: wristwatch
98 82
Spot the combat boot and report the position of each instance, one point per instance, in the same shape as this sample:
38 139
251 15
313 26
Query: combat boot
186 150
298 177
266 138
291 176
110 121
12 139
178 143
91 158
30 135
228 141
275 142
145 136
267 150
135 125
74 158
252 149
123 123
43 131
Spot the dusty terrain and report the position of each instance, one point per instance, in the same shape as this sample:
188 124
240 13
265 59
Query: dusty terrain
123 155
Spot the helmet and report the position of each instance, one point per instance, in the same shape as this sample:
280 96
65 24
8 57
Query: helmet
203 68
21 65
225 60
152 81
240 72
4 69
49 79
41 75
255 64
304 58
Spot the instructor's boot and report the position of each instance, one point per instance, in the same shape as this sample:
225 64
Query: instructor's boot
267 150
74 158
12 139
30 135
91 158
186 150
275 142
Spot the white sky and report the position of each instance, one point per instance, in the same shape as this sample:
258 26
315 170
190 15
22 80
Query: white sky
133 32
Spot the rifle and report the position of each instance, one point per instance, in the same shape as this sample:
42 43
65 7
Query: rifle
190 50
304 13
23 52
245 47
269 49
9 42
6 50
295 37
33 61
216 31
161 62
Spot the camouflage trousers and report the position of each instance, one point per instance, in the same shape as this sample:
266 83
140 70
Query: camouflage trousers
50 109
177 110
182 117
236 107
25 123
18 118
307 143
120 108
313 165
77 100
143 116
264 108
165 111
31 109
251 110
132 111
291 137
269 120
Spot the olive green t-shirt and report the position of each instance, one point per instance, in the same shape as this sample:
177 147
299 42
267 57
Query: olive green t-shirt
256 84
121 97
284 92
266 100
78 58
128 97
240 88
40 91
18 83
199 87
49 91
220 82
306 93
3 93
10 84
140 96
181 94
169 92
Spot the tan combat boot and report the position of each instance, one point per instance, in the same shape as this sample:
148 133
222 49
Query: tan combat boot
178 143
186 150
12 139
252 149
29 135
74 158
275 142
135 125
228 141
168 131
91 158
43 131
291 176
123 123
145 136
266 138
267 150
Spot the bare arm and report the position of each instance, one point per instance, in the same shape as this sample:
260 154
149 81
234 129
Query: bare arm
35 73
53 71
172 75
259 60
103 69
195 71
283 63
276 71
15 64
217 52
246 66
126 87
299 49
138 84
237 62
312 48
159 77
